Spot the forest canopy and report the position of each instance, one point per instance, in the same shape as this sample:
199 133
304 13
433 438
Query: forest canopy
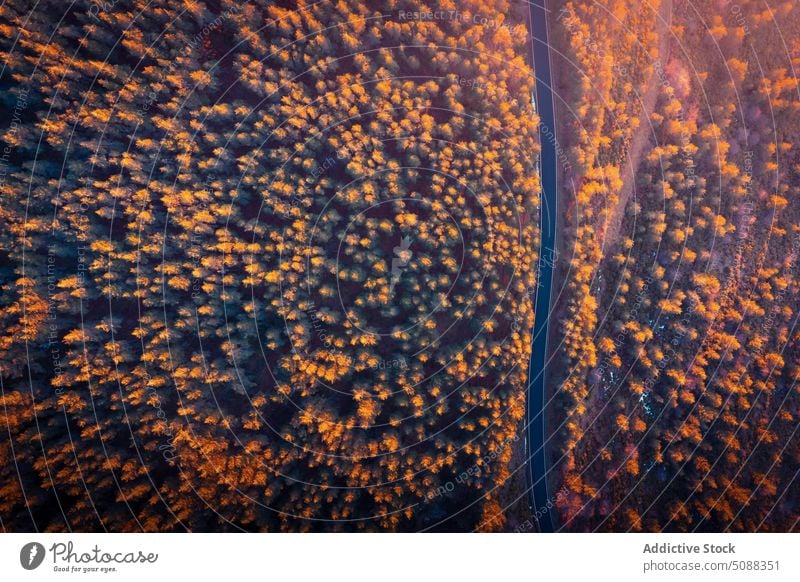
265 265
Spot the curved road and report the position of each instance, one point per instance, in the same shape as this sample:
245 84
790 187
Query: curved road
537 375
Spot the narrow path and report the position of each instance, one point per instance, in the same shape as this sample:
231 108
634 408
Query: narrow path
641 136
537 385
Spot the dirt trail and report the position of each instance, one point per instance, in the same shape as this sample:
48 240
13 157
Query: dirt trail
641 137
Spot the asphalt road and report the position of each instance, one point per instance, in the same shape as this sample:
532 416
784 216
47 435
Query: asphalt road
537 372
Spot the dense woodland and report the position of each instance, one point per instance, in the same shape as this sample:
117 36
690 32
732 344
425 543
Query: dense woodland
678 331
265 265
269 265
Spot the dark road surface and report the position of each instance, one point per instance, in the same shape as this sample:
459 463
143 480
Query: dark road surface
537 373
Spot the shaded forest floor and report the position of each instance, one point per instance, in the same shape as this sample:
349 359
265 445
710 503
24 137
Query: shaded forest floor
641 137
